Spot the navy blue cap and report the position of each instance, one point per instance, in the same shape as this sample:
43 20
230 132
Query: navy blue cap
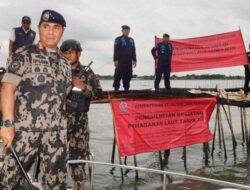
166 36
26 19
125 27
52 16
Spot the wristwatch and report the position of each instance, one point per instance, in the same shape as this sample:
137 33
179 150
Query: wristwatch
7 123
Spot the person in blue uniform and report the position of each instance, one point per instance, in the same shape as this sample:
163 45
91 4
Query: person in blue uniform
162 54
124 59
21 36
247 75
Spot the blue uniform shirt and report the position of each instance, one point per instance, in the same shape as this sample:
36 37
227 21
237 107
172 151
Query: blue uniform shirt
124 49
22 38
163 52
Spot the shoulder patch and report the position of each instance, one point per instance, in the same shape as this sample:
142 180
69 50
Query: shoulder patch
65 61
116 41
15 66
32 34
24 49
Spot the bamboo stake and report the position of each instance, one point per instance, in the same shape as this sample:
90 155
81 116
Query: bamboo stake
206 150
219 133
246 130
113 152
242 126
136 172
120 162
245 126
114 142
229 121
160 159
125 160
185 157
222 134
125 163
215 129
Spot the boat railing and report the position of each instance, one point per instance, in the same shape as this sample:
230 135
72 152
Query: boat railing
91 164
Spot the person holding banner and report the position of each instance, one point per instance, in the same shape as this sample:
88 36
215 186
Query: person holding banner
162 54
247 74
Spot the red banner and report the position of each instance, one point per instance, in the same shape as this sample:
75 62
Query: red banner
159 124
208 52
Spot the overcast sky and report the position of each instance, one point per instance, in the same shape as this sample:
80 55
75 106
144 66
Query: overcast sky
95 23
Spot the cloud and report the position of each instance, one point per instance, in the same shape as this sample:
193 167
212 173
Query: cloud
3 3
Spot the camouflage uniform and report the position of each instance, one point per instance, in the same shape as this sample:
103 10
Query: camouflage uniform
78 130
43 80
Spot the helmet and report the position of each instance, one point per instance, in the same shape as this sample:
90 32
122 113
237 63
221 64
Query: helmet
71 45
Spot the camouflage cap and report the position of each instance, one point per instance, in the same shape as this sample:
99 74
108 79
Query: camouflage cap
53 17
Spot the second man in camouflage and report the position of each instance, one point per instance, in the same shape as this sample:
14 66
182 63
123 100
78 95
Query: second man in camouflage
85 87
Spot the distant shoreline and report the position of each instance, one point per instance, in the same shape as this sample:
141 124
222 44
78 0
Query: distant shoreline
175 77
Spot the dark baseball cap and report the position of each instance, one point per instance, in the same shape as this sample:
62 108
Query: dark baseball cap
125 27
52 17
166 36
26 19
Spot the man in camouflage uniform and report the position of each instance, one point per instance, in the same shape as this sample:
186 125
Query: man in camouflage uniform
85 86
34 92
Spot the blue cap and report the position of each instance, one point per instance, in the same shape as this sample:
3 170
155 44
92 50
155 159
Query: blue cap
166 36
26 19
125 27
52 16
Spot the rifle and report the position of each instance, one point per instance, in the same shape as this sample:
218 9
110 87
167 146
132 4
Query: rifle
30 185
84 70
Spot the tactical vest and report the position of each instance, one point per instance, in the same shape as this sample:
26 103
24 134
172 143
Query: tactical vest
78 101
21 38
164 53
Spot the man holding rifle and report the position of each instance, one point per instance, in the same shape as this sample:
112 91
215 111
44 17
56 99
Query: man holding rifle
85 87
